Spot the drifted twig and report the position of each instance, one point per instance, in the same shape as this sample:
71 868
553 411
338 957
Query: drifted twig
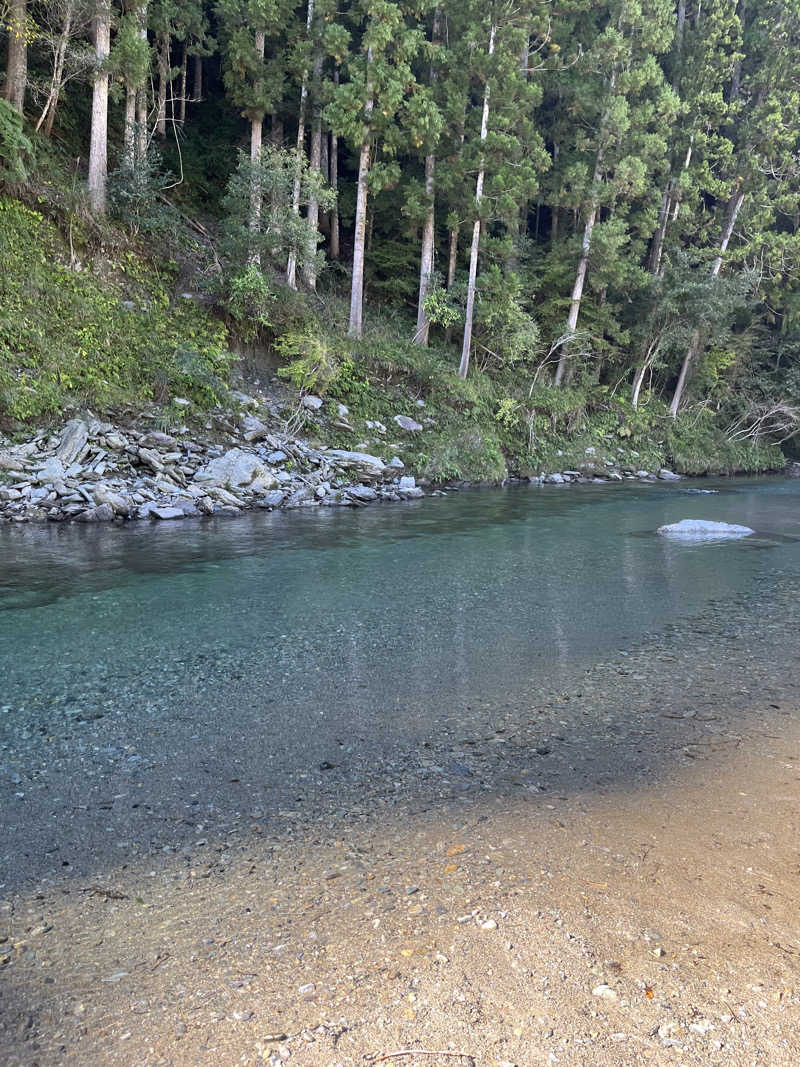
470 1060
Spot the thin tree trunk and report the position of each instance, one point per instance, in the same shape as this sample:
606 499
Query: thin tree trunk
695 345
429 226
197 91
334 245
184 79
98 146
142 131
476 232
17 60
679 28
315 162
49 110
325 168
426 256
291 266
668 212
356 323
163 79
256 141
637 383
580 277
129 133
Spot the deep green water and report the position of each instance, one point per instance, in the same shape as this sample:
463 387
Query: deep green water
394 613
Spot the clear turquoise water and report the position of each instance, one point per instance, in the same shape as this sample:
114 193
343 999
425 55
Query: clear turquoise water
395 613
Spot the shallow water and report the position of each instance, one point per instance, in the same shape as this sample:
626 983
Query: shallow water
397 613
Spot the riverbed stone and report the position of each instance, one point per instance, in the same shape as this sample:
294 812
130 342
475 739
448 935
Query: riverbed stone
365 466
237 469
253 429
52 471
104 495
73 440
669 476
166 512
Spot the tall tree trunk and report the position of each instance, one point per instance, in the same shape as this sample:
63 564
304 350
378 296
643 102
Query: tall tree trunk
334 245
142 132
580 277
184 79
429 226
356 323
49 110
17 60
670 205
256 141
315 160
163 82
129 133
698 336
426 255
197 91
291 266
325 168
466 345
98 145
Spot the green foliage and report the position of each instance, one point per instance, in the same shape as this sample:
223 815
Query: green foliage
69 336
259 221
314 361
135 195
697 445
250 300
15 148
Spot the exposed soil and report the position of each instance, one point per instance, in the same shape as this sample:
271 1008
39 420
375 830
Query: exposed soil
609 877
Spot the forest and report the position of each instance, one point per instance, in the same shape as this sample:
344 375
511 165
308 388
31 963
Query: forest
578 210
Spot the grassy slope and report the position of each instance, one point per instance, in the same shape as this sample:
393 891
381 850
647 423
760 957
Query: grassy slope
102 330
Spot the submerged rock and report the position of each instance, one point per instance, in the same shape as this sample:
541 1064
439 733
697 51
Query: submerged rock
703 530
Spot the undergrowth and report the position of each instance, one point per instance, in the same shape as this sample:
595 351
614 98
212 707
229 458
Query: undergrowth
97 332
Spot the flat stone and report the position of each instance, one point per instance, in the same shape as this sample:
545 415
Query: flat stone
73 440
103 495
155 439
238 469
365 493
151 458
366 466
407 423
669 476
52 471
102 513
312 403
253 429
167 512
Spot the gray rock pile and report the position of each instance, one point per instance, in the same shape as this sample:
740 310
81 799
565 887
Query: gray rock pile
95 471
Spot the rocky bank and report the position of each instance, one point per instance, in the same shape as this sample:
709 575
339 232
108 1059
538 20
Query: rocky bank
93 470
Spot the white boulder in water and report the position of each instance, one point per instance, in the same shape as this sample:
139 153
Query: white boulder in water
703 530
